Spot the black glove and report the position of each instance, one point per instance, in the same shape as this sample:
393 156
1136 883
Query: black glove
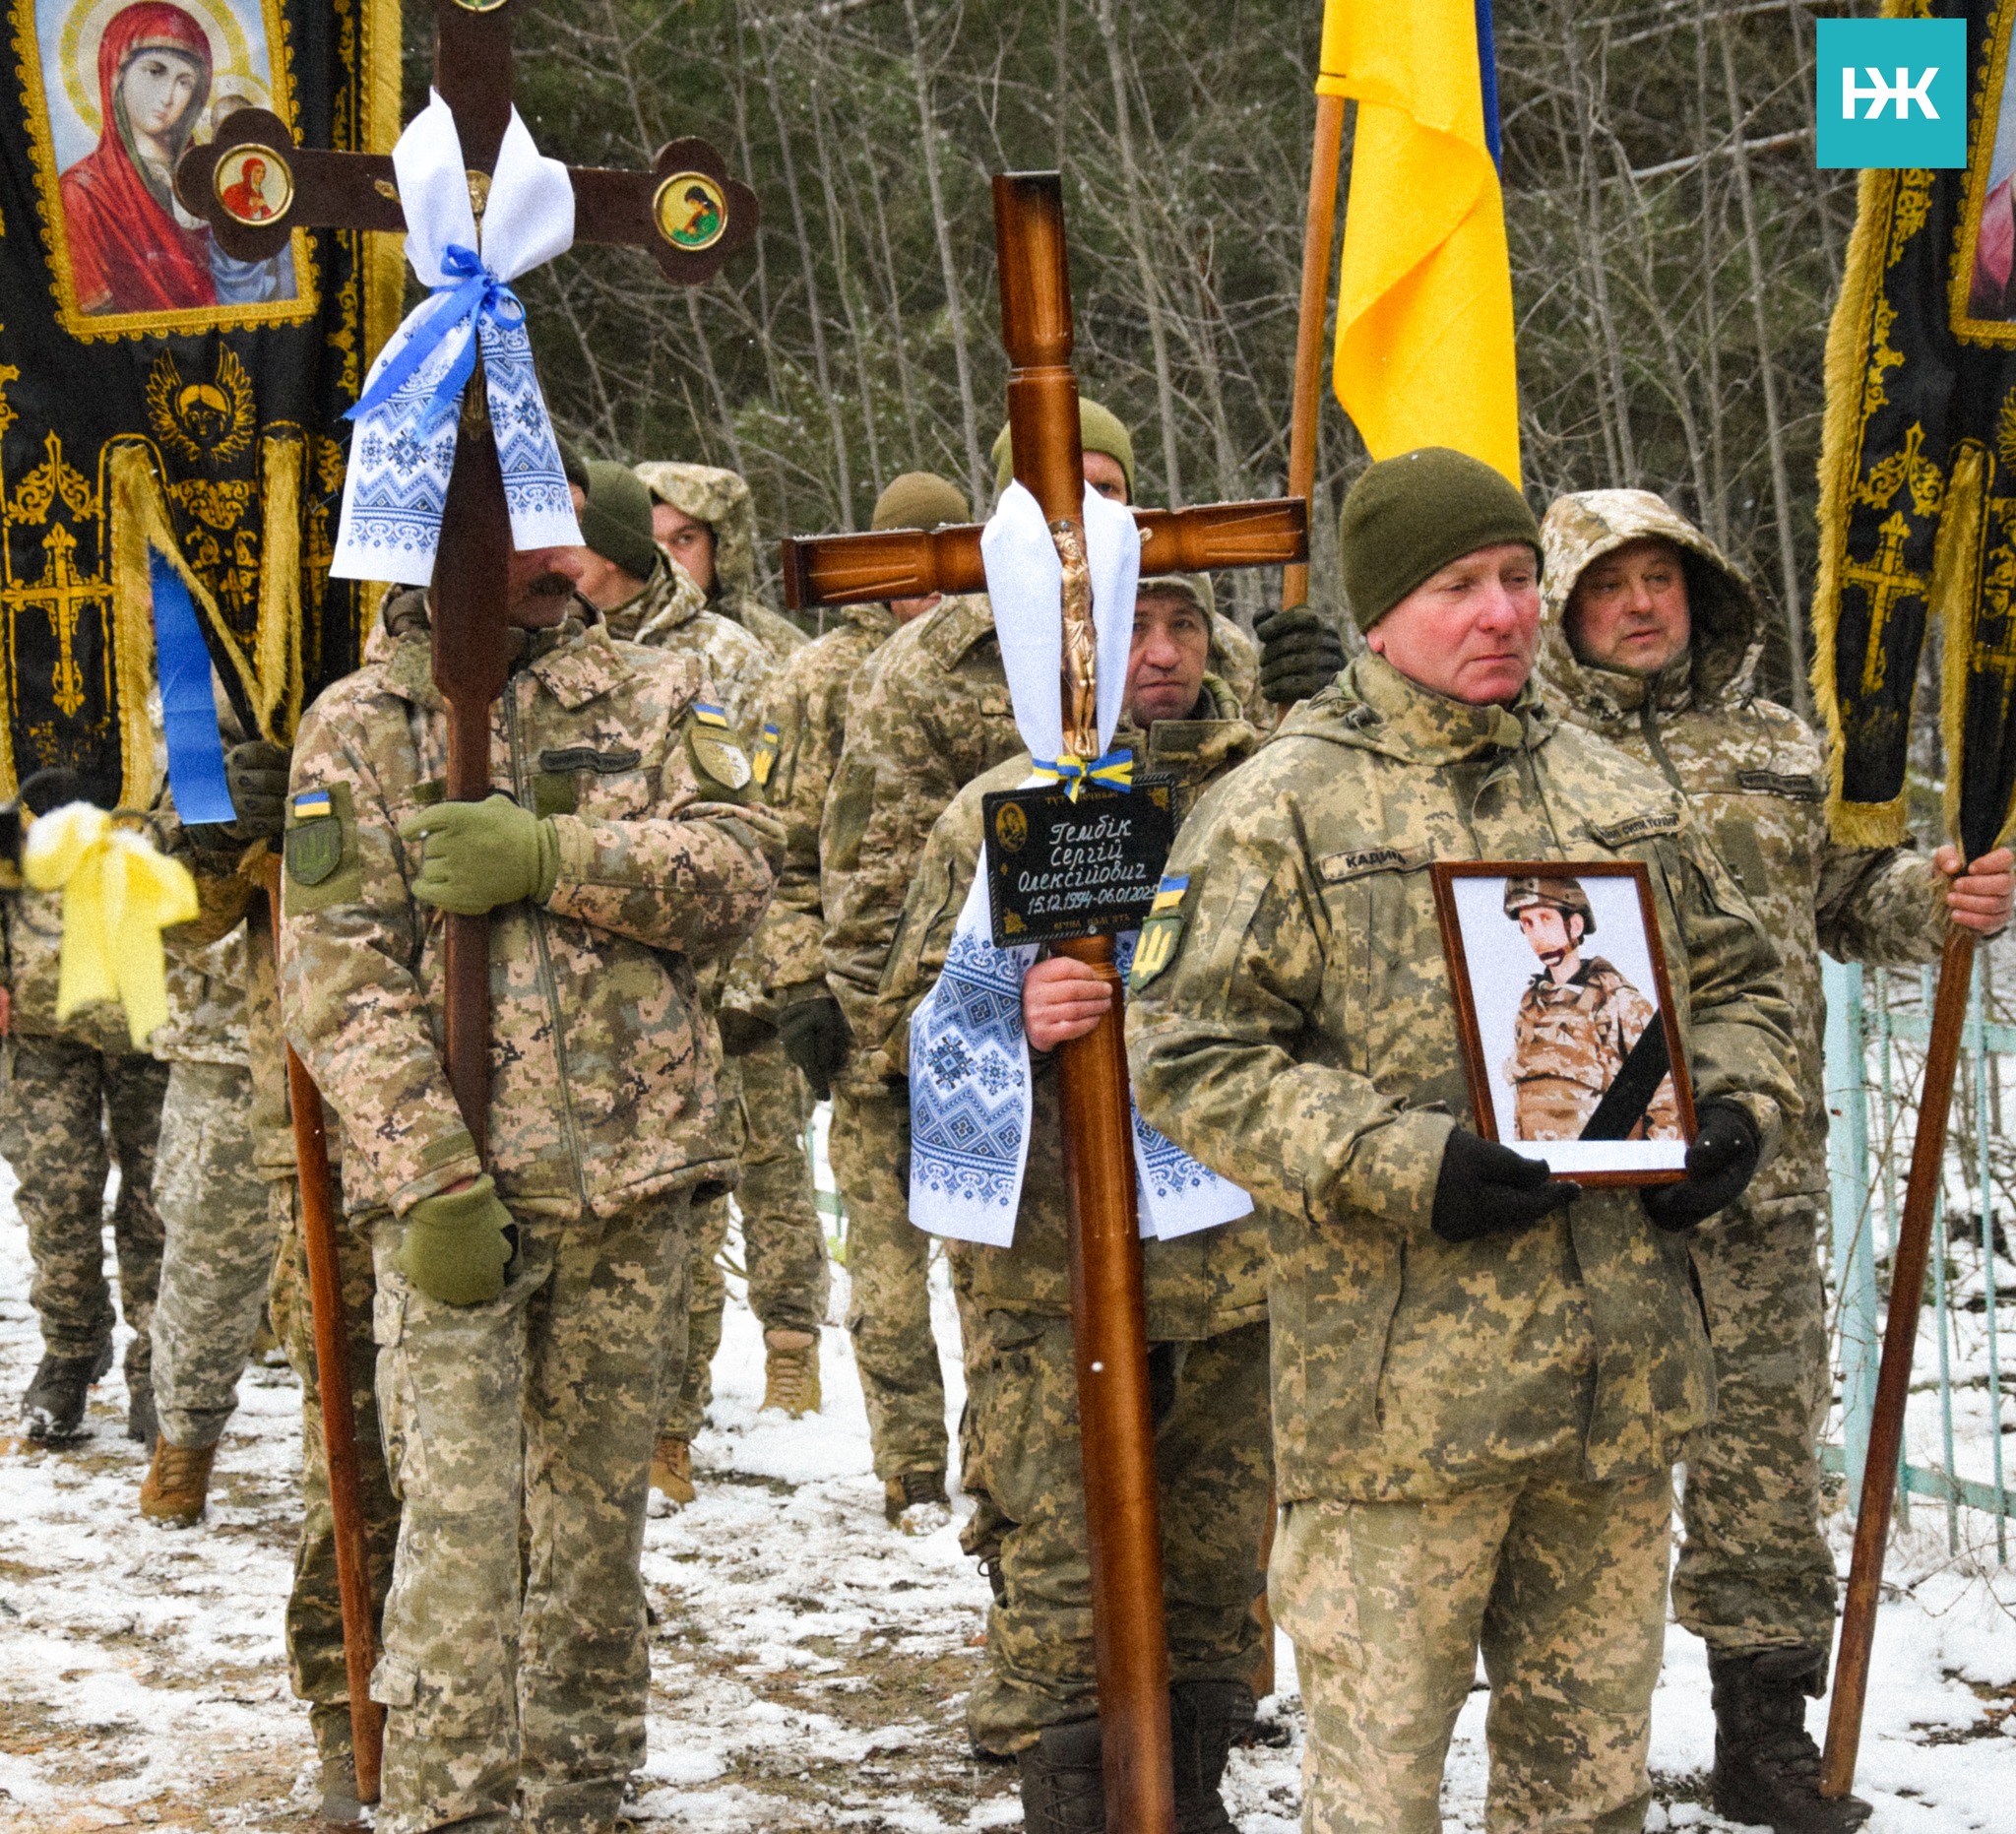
255 775
817 1039
1299 655
1722 1161
1484 1189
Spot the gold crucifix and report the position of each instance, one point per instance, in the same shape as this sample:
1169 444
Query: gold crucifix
1886 582
64 594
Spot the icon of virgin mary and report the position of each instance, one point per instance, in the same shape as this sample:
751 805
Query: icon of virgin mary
129 249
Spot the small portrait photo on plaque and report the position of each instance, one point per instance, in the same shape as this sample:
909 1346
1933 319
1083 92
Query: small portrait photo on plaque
1569 1039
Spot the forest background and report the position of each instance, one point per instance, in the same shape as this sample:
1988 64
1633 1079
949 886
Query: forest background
1675 252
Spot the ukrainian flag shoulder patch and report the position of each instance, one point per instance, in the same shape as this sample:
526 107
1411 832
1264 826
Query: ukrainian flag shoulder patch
1163 933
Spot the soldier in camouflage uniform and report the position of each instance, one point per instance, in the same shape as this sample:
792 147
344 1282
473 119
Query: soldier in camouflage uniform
888 1262
79 1099
648 597
1576 1024
227 861
1038 1695
705 518
1652 640
520 1311
1481 1377
219 1239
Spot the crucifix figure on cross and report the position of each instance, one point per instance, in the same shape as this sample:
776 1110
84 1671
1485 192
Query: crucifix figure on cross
1109 1314
253 185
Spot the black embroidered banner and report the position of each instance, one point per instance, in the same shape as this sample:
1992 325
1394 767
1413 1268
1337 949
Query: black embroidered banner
157 396
1918 470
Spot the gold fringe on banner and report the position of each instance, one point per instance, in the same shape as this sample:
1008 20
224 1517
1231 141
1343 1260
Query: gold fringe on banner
1848 385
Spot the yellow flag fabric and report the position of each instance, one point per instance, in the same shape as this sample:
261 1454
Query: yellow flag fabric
1424 353
120 893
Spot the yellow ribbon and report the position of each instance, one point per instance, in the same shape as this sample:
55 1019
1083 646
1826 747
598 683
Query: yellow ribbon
1115 770
120 893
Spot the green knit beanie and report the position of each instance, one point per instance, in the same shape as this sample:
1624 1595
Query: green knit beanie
919 500
1099 430
1410 517
615 521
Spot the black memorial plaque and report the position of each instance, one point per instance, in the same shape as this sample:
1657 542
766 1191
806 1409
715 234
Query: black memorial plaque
1058 868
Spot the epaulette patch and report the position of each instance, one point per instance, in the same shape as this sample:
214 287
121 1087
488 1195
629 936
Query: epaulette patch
1161 933
765 760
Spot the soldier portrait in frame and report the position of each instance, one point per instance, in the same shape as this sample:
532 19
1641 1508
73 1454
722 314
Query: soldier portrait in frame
1570 1046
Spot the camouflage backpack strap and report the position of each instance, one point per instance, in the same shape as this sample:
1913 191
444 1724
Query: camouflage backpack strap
719 763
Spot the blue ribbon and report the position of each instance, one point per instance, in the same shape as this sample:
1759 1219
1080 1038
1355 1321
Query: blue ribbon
476 293
1116 771
196 749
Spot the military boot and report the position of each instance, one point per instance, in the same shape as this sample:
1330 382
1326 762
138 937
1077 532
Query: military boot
1767 1767
791 1372
338 1806
916 1502
672 1469
54 1403
1063 1781
176 1488
143 1425
1205 1718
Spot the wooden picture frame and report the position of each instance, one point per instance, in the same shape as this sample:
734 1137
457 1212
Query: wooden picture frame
1531 1062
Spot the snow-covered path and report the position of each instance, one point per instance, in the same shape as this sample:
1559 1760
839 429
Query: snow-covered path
809 1664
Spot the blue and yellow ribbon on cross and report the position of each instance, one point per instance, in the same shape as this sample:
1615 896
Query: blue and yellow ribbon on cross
1116 771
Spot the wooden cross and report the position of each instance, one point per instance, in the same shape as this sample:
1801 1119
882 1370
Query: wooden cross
1110 1322
254 185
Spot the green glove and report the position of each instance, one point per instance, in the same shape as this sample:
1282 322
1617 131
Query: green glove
477 855
454 1248
1299 655
255 775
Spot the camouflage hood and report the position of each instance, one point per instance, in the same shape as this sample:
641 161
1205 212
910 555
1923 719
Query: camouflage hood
1719 662
721 500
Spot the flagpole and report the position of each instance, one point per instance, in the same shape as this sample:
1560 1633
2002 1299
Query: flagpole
1893 1381
1318 229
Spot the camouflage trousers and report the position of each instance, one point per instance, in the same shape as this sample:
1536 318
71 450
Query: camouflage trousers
1214 1465
219 1234
784 1240
1755 1571
889 1265
1563 1586
314 1616
68 1113
516 1673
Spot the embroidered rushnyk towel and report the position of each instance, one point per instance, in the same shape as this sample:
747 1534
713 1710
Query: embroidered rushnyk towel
969 1092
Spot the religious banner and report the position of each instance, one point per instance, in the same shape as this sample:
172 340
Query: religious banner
171 434
1917 470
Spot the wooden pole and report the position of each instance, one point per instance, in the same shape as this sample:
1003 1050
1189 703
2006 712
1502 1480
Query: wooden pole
332 1381
1318 224
1109 1309
1893 1381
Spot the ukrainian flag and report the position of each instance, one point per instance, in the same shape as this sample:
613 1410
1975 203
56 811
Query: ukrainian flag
1424 352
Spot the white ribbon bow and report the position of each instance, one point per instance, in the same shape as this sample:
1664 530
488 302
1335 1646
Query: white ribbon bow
397 485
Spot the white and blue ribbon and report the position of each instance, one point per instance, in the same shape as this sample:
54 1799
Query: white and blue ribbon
397 485
971 1099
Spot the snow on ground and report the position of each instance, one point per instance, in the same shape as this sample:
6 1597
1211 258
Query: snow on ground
810 1665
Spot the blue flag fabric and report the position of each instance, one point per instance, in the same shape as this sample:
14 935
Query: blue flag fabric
196 748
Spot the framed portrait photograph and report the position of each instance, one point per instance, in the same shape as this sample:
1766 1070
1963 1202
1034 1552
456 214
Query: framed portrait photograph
1565 1016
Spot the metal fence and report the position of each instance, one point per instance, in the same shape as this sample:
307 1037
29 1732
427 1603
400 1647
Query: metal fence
1878 1022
